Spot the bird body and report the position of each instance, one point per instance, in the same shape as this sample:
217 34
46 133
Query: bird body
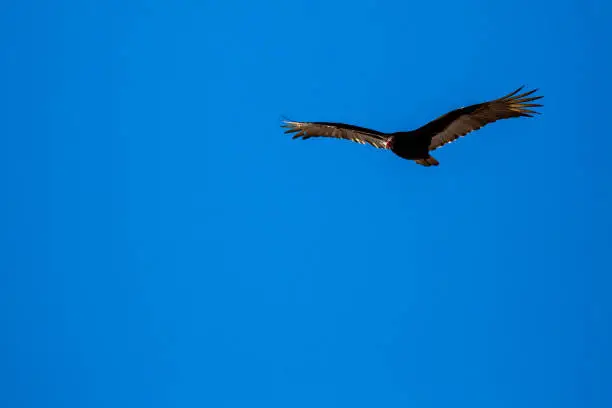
417 144
412 145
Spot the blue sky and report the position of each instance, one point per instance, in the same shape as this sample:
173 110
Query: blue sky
166 245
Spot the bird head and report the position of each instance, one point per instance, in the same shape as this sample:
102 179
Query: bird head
389 143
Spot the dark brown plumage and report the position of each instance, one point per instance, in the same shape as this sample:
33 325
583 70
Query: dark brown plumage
416 144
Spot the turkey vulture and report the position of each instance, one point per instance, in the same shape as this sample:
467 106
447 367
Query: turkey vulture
417 144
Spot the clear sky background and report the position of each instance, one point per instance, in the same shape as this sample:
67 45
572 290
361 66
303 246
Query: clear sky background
164 244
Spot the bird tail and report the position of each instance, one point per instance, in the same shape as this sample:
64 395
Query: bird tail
429 161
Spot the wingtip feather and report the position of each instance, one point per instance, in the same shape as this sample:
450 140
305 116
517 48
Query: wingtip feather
513 92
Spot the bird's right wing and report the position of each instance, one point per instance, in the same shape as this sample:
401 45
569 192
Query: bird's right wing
462 121
306 130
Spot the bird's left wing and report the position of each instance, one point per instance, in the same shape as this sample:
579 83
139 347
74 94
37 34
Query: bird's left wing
306 130
460 122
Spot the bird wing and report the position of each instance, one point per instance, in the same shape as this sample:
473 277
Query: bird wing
306 130
460 122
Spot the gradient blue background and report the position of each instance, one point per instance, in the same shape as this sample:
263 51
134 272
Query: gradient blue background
164 244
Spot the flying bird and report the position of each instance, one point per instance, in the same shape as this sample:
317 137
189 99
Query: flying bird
417 144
